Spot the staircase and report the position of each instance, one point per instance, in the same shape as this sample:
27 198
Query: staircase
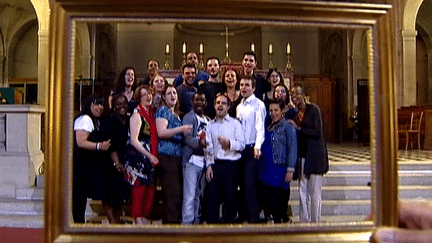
24 210
346 195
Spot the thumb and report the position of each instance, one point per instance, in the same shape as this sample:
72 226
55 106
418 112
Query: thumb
396 235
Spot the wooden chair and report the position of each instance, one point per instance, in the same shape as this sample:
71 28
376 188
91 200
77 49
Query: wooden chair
415 129
404 124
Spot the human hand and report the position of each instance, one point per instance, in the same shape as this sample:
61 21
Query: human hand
105 145
186 129
154 160
415 224
209 174
118 166
203 142
257 153
289 177
225 142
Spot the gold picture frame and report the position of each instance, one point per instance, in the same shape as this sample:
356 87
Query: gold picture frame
377 18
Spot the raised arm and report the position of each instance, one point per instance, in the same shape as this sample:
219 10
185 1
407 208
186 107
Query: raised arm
166 133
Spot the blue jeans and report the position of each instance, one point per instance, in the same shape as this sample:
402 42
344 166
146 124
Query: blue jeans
193 185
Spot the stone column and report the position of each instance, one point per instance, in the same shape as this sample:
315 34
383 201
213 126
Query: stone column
43 68
409 88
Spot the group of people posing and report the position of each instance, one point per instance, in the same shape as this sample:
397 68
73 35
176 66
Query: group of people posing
223 146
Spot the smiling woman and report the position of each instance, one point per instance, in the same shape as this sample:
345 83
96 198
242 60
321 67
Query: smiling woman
304 23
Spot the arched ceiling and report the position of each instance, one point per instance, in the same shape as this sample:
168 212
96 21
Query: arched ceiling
423 16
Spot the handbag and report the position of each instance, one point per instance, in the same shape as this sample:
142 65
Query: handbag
138 168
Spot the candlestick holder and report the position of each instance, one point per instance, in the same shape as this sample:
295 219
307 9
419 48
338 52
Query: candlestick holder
289 66
270 66
201 63
167 64
184 59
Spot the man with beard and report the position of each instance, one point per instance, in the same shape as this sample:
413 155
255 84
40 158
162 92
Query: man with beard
201 77
213 86
249 64
193 160
225 138
186 90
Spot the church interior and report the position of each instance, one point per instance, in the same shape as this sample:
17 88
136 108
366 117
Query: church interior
330 62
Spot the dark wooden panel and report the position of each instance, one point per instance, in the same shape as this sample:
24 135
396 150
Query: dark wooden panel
321 90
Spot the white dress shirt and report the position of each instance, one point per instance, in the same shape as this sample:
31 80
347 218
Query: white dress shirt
251 113
229 128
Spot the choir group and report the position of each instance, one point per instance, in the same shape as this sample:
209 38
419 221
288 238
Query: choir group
224 147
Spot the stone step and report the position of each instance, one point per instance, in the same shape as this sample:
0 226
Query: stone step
30 193
21 207
366 165
360 208
351 178
364 192
22 221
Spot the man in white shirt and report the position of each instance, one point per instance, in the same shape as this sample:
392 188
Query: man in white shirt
251 113
225 139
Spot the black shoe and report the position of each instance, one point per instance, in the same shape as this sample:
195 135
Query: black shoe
239 220
286 219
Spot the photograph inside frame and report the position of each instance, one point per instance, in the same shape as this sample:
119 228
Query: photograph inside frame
175 123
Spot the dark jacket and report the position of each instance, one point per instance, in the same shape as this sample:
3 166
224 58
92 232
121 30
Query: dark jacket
311 143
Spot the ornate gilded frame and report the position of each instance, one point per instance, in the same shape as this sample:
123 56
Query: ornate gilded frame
377 18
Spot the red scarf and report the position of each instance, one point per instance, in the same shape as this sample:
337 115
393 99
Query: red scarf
153 132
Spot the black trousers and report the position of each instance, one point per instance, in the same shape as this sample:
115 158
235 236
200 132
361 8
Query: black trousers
275 200
80 192
223 189
248 179
172 182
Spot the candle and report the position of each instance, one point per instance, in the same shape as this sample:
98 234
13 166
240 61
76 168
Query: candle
270 48
184 47
252 47
288 48
201 46
167 49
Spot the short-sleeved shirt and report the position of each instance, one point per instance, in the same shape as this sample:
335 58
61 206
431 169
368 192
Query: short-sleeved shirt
173 145
84 123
